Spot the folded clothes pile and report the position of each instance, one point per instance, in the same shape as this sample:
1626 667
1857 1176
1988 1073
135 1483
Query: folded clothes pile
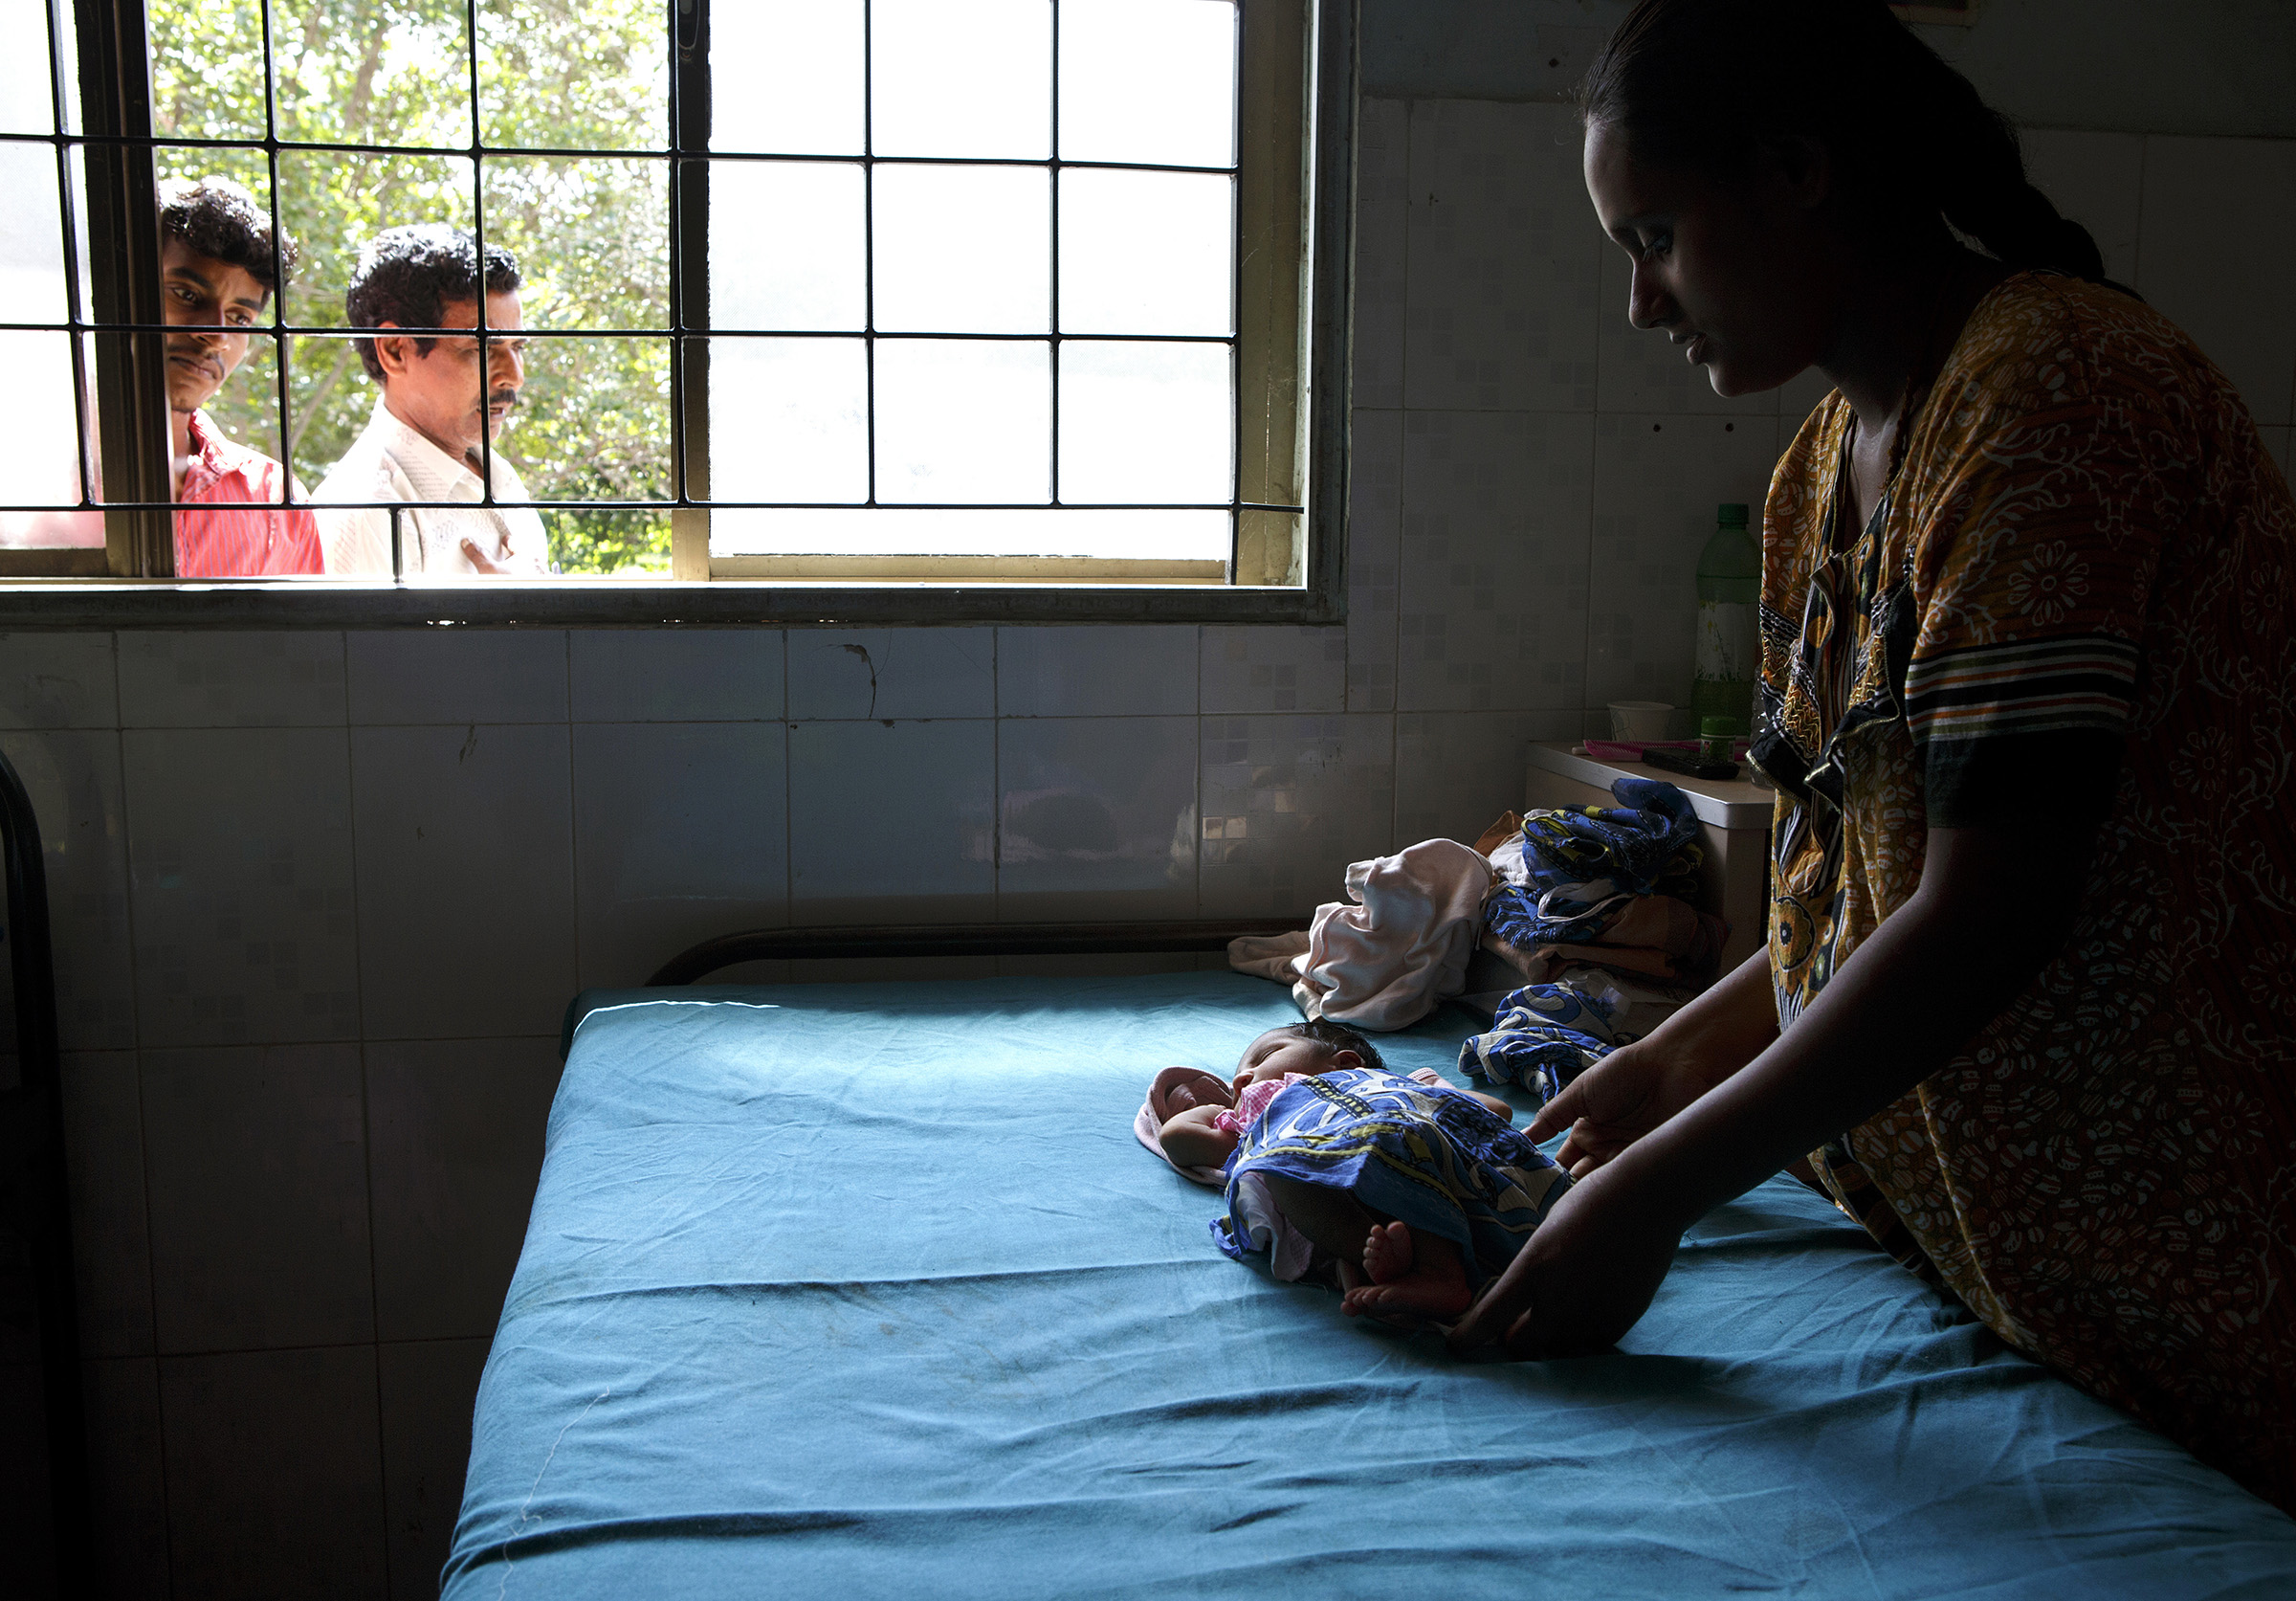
1587 906
1594 911
1605 886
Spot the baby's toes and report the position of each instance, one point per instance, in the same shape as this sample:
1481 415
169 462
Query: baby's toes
1387 1252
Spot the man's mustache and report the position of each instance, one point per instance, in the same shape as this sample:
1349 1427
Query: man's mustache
503 400
196 350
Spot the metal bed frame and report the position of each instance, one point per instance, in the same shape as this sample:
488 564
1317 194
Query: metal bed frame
963 939
34 1184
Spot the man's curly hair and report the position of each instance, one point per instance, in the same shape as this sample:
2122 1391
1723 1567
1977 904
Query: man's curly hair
221 220
407 276
1335 1037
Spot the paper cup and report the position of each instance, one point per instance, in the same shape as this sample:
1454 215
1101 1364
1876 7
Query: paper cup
1638 720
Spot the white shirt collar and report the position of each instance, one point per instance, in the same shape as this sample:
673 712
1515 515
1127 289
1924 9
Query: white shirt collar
430 472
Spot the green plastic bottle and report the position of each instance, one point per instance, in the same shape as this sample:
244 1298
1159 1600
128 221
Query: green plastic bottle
1729 583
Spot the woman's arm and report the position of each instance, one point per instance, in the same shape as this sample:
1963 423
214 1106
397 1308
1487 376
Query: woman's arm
1995 903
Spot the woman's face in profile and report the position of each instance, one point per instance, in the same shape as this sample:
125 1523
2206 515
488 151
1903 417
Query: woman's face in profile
1735 272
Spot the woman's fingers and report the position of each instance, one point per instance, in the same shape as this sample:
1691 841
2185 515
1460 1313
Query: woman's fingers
1587 1149
1559 1113
1495 1311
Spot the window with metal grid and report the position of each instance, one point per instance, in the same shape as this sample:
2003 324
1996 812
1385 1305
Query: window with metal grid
818 292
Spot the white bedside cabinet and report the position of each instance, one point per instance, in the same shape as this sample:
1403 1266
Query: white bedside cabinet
1733 825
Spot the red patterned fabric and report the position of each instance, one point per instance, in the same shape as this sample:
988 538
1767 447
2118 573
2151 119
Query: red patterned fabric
2077 606
239 544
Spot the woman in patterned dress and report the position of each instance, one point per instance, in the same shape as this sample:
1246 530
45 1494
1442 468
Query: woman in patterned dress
2028 1008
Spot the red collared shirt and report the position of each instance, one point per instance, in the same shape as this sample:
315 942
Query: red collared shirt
239 544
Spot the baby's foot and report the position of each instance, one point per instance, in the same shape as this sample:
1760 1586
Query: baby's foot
1387 1253
1431 1283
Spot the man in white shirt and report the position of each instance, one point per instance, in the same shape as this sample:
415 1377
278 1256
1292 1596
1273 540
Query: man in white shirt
443 397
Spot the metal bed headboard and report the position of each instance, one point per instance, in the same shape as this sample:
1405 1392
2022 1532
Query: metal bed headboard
963 939
40 1197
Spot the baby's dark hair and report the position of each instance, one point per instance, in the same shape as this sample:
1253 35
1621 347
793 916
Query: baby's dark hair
1334 1037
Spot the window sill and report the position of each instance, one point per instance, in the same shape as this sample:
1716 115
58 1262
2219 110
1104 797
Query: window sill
309 603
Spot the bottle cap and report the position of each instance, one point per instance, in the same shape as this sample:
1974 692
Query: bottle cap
1717 728
1731 513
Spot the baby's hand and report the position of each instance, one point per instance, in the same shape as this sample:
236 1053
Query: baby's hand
1184 1089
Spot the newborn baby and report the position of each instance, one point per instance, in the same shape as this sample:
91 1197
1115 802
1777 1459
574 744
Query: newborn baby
1408 1192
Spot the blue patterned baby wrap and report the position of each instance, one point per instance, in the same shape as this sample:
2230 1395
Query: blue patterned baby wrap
1433 1158
1571 868
1544 1036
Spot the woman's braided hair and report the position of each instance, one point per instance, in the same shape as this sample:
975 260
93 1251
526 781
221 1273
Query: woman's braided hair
1707 82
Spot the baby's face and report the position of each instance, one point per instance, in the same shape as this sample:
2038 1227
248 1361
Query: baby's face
1279 1051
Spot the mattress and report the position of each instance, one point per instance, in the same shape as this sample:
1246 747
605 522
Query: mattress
869 1290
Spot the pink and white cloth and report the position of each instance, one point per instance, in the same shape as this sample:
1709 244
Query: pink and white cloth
1394 950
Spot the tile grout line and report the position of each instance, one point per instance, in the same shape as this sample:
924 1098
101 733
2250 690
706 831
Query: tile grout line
996 787
151 1269
789 801
1199 828
2144 163
1403 436
573 815
366 1098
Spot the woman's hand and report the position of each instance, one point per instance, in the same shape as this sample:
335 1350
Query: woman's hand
1620 1099
1581 1280
1637 1087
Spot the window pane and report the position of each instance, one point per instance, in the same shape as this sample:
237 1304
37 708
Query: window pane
963 250
592 422
32 237
962 78
334 203
403 78
35 414
788 419
1143 421
247 169
566 75
963 421
787 77
247 408
1148 81
787 245
26 100
1175 536
1146 253
207 68
330 400
591 238
618 543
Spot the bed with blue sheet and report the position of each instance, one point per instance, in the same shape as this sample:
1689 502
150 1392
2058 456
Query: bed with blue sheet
867 1290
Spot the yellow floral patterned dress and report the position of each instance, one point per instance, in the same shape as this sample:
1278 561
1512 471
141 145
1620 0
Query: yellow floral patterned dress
2077 603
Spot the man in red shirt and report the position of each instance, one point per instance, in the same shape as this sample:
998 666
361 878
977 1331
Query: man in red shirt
217 275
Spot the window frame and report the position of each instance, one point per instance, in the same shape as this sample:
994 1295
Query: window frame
1295 200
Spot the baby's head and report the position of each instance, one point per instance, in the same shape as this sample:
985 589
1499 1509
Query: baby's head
1317 1045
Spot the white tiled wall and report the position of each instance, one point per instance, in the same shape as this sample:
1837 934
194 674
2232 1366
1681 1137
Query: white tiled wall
321 897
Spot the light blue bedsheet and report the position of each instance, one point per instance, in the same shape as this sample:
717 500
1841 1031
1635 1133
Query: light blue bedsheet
869 1291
